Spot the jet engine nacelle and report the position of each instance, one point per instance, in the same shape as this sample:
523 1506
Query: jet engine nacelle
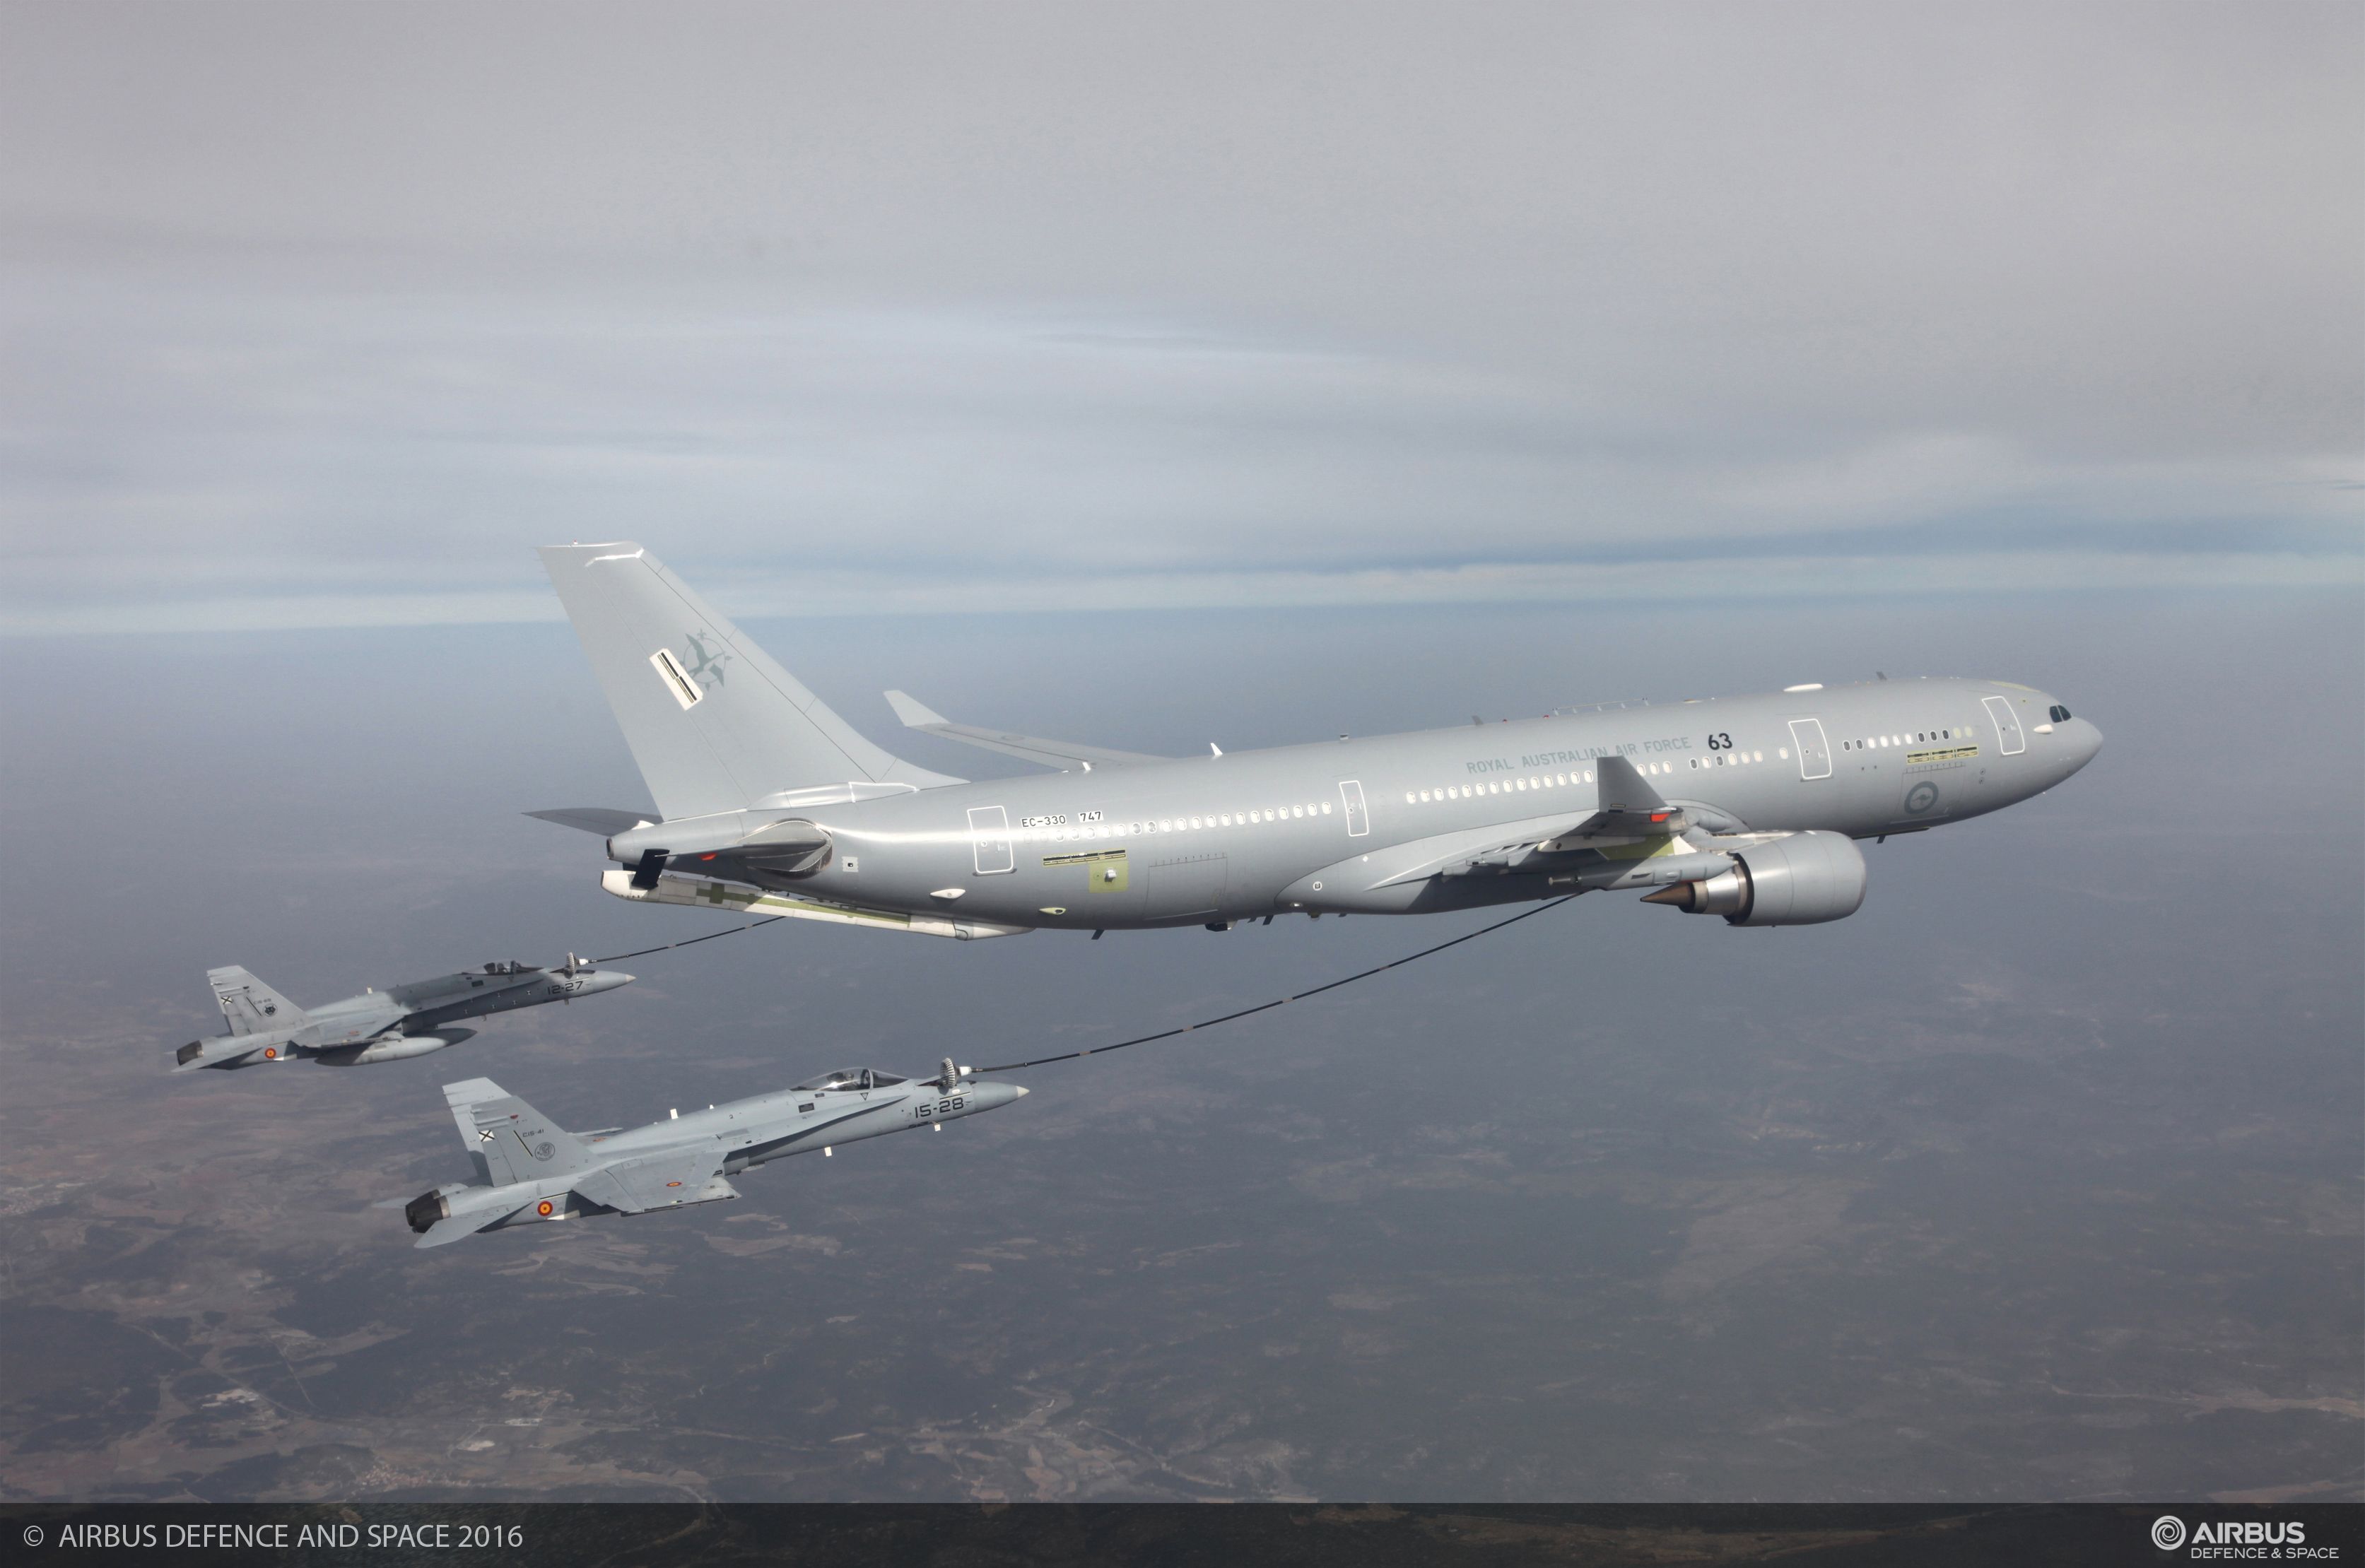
394 1048
1804 879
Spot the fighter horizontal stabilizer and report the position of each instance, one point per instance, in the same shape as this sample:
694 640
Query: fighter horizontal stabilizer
658 1181
459 1228
230 1050
604 821
1066 756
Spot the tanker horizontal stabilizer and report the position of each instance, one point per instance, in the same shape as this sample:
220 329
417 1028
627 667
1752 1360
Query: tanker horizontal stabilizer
1066 756
605 821
739 898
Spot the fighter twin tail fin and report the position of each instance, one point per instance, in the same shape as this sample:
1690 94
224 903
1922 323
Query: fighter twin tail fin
251 1006
515 1142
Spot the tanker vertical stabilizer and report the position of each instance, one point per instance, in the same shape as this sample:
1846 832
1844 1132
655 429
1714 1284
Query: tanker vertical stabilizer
713 723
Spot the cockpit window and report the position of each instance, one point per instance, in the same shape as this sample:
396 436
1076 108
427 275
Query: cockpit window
2057 714
846 1079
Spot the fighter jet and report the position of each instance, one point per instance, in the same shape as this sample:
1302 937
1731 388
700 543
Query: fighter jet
377 1025
1747 807
529 1172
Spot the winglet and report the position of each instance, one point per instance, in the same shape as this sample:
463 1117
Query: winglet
915 714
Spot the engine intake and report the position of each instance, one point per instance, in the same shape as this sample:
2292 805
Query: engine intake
1804 879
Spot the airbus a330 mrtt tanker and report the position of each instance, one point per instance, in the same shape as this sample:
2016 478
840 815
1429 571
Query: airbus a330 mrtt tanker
1745 807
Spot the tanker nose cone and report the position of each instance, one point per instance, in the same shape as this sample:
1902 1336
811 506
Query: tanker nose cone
2084 741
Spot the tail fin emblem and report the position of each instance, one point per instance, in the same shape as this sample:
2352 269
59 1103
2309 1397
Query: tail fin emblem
705 664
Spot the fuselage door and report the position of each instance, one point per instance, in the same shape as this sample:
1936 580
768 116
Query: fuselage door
2008 739
1358 820
989 833
1814 751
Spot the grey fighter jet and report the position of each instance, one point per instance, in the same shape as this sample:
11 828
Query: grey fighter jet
377 1025
1749 807
530 1172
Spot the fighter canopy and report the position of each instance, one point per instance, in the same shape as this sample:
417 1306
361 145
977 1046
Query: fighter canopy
851 1078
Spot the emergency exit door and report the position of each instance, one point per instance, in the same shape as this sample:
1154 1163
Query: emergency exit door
1358 820
1814 751
988 832
2008 739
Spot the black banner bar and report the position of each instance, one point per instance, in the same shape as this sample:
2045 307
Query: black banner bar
857 1535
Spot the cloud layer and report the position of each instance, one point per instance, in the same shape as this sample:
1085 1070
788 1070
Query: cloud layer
326 316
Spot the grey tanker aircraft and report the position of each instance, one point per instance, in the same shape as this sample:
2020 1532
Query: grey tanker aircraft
393 1025
530 1172
1745 807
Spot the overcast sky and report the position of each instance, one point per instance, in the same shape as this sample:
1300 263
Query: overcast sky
319 316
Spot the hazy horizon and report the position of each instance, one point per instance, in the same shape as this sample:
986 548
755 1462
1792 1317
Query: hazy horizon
2037 1179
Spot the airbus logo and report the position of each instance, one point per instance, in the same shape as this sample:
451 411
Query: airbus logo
2239 1540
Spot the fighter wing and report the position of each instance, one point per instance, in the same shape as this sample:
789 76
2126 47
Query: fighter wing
1066 756
662 1181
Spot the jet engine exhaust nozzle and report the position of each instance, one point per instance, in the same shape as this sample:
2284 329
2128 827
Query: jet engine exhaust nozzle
426 1209
1805 879
1726 893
